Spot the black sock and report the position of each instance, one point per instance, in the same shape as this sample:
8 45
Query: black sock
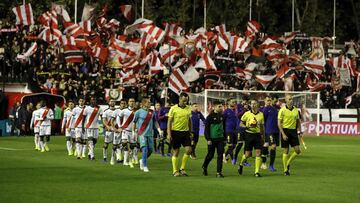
264 153
272 156
237 150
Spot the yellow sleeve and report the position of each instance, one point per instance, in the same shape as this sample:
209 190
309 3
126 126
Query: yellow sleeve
244 118
262 119
171 112
280 115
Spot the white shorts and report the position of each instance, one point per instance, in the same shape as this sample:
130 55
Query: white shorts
92 133
108 138
79 133
36 130
70 133
117 138
45 130
127 135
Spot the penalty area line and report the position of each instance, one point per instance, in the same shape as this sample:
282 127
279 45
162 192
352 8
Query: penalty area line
9 149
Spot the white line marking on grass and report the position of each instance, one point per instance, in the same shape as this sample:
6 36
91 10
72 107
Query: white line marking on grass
9 149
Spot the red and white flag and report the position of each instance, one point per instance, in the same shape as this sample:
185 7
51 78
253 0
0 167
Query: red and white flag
127 11
205 62
237 44
221 29
249 69
220 44
283 70
191 74
252 28
72 53
51 36
177 81
147 41
88 12
270 45
288 37
29 52
73 29
154 63
86 26
168 53
265 80
24 14
100 53
172 29
60 10
113 24
49 19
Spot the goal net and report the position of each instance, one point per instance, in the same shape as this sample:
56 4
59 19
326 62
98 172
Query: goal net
308 103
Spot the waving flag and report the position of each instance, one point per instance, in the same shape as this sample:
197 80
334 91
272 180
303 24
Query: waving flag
177 81
237 44
126 10
73 29
29 52
252 28
265 80
24 14
220 44
205 62
221 29
49 19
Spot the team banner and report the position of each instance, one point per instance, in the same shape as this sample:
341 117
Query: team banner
332 128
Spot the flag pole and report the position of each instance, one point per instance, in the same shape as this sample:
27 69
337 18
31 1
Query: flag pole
142 9
75 18
293 16
334 25
205 14
24 2
250 10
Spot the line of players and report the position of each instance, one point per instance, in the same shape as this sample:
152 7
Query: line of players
80 125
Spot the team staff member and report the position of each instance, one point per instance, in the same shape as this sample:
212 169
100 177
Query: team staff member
231 127
253 122
289 126
215 136
271 133
196 116
179 129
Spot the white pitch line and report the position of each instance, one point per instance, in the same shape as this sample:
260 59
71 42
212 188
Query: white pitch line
9 149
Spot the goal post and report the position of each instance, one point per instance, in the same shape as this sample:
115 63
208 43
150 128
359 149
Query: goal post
308 103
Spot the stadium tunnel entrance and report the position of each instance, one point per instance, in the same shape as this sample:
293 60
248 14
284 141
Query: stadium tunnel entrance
50 99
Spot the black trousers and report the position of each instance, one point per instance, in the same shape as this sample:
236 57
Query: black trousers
219 146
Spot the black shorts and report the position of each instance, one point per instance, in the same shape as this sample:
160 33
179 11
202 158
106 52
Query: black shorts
232 138
293 139
273 138
179 138
195 136
241 137
252 141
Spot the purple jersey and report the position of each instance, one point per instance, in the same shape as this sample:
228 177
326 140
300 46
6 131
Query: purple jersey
271 120
163 117
231 121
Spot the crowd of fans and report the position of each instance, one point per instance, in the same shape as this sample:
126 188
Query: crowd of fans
47 71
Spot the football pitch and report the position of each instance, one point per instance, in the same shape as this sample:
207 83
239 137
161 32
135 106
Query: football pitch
328 171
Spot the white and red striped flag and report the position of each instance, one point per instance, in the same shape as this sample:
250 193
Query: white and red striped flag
252 28
270 45
168 53
51 36
221 29
154 63
220 44
29 52
127 11
205 62
248 71
172 29
73 29
24 14
177 81
148 41
237 44
49 19
191 74
86 26
265 80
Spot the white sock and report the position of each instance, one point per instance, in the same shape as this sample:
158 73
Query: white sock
79 149
37 141
118 153
68 146
126 156
104 152
83 149
91 148
135 154
42 146
112 155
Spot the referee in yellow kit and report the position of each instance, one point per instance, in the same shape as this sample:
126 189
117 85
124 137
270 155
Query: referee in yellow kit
290 129
179 132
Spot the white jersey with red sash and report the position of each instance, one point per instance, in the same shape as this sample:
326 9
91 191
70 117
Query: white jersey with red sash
145 122
78 116
46 115
68 120
116 117
35 121
108 115
93 115
127 115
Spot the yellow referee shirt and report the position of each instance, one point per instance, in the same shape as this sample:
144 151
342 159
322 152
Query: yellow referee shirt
180 117
288 117
249 117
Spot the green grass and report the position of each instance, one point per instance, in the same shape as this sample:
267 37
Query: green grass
328 171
